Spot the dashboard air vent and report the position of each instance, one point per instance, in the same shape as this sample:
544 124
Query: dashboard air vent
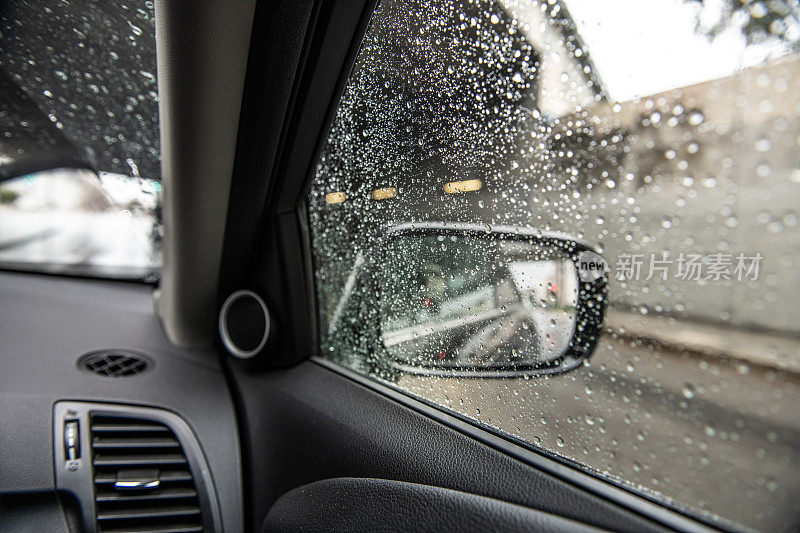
142 479
114 364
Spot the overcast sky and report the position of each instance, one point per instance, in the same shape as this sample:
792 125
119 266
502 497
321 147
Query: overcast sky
642 47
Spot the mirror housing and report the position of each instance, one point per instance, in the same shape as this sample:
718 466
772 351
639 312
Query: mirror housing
468 300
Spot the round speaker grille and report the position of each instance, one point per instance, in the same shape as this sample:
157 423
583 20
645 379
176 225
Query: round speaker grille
114 363
244 324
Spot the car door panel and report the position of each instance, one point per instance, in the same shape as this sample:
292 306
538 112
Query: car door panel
309 423
380 504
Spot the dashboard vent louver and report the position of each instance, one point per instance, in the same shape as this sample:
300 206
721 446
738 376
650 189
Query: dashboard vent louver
114 364
142 479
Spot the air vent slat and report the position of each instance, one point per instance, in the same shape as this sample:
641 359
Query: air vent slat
177 528
141 475
104 443
96 428
165 476
148 512
165 494
137 460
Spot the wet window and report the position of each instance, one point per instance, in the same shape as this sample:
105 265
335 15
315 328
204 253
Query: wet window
79 151
90 68
576 223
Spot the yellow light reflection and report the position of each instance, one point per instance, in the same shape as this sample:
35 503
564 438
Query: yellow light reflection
462 186
335 197
383 194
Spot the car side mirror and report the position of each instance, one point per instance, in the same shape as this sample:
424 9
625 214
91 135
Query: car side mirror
479 301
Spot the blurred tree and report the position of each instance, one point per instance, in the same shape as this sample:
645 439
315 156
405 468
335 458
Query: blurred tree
759 20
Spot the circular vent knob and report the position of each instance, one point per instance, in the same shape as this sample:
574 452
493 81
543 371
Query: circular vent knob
244 324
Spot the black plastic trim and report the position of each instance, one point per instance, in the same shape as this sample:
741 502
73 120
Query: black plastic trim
76 476
316 507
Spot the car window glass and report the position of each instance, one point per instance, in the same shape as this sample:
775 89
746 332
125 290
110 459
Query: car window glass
79 150
91 70
664 135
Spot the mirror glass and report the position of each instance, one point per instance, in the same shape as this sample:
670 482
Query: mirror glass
453 302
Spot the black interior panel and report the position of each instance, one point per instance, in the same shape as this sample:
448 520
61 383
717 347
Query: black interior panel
38 512
308 423
264 242
46 323
367 505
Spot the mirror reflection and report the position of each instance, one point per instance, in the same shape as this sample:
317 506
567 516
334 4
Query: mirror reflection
454 302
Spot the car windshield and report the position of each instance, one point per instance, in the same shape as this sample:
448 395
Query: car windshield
79 158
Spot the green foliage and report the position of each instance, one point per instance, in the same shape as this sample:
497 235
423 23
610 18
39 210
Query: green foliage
7 196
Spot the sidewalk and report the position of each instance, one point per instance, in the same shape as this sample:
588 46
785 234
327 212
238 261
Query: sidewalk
762 349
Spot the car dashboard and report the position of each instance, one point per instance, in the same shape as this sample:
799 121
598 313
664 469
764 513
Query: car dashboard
92 393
